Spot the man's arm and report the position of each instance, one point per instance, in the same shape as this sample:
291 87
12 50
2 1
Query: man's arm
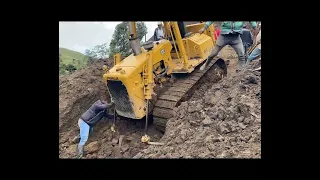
101 106
110 104
206 25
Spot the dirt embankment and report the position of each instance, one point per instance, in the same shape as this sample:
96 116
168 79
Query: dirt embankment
78 91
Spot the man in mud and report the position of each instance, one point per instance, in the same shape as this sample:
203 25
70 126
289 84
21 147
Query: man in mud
229 35
93 115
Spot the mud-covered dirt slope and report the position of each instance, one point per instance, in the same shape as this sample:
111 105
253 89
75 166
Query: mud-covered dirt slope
223 121
78 91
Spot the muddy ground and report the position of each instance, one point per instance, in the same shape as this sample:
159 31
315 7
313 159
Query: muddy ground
220 120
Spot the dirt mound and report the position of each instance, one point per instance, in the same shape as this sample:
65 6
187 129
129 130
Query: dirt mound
78 91
223 121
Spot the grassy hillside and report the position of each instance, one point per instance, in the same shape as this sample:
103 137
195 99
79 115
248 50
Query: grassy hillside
72 57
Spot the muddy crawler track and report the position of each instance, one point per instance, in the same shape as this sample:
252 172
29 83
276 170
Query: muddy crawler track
181 90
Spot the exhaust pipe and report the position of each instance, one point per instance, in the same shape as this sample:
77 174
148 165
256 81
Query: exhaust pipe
134 41
135 45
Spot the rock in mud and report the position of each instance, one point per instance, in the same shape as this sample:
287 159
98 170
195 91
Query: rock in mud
100 156
90 90
128 138
93 147
124 148
212 100
207 121
250 79
108 152
76 139
259 132
222 128
139 155
114 141
64 139
246 120
192 108
194 123
126 155
93 156
241 118
242 126
72 149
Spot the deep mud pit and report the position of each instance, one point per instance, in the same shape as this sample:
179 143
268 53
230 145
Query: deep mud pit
219 120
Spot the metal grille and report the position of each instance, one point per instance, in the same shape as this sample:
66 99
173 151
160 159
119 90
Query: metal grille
121 99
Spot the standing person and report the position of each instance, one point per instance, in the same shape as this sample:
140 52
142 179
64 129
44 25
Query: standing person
216 34
158 32
90 118
229 35
247 40
257 51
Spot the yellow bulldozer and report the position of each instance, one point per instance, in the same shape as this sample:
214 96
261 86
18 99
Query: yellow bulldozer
136 83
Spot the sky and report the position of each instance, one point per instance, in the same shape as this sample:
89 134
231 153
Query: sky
79 36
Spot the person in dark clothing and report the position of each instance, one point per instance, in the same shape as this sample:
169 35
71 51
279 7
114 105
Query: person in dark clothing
90 118
247 40
158 32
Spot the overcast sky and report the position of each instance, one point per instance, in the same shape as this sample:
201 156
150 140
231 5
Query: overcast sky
79 36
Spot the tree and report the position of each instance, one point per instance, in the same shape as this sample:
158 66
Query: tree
142 30
97 52
120 40
101 50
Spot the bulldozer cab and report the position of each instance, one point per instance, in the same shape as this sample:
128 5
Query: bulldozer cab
186 47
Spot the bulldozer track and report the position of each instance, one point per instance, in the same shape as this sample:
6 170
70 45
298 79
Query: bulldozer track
176 93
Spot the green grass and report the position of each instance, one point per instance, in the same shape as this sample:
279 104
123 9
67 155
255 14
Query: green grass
77 59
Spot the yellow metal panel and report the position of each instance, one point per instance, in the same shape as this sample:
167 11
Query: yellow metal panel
209 31
117 58
129 69
194 27
180 44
